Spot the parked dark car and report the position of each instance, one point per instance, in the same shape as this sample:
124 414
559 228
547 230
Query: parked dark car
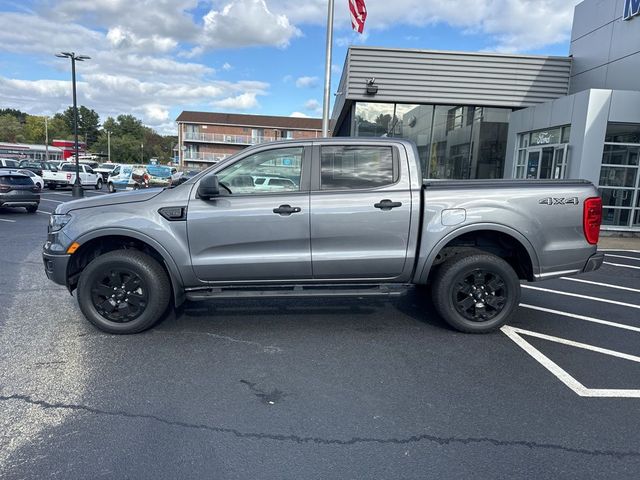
18 190
37 167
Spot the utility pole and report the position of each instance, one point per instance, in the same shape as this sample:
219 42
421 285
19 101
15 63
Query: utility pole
142 153
46 139
108 146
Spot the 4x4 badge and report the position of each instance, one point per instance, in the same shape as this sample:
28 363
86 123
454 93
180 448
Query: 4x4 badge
559 201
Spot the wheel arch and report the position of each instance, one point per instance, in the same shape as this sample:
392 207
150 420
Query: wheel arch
100 241
500 240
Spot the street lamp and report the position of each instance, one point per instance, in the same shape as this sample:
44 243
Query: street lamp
109 146
142 153
76 190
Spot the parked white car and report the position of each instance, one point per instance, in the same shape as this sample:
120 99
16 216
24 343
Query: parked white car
37 179
66 177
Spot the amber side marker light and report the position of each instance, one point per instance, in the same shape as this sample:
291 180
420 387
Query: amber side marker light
73 247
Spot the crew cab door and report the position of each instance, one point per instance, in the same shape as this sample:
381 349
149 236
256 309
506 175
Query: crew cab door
254 232
360 212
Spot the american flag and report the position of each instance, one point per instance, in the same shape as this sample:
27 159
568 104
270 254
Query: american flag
358 14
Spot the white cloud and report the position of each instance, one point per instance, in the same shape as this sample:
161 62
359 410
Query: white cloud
314 106
512 25
243 23
299 115
244 101
306 82
226 66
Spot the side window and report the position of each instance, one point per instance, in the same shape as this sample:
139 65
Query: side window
347 167
271 171
115 171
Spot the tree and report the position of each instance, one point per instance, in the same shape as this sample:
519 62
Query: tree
88 123
11 129
58 128
34 131
20 116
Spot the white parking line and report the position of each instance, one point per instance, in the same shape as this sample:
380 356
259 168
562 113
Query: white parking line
582 317
617 250
515 334
577 295
49 200
7 220
621 265
608 285
45 212
622 256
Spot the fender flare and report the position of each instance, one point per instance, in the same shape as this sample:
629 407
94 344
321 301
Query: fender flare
476 227
177 283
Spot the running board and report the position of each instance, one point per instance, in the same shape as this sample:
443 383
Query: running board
340 290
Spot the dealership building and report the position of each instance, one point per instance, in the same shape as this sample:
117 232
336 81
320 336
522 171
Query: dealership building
481 115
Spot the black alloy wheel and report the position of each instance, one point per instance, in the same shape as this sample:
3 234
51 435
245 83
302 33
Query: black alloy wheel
479 295
120 295
476 292
124 291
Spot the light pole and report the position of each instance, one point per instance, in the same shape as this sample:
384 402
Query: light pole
142 153
109 146
76 190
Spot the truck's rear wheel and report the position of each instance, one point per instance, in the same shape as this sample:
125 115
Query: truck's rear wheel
476 293
99 184
52 186
123 291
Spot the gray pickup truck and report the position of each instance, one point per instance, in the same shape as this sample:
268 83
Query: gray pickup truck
330 217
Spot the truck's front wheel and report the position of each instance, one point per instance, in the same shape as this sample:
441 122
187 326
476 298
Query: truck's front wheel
476 293
123 291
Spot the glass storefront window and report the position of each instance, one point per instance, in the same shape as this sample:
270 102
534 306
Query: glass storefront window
543 154
622 133
454 141
620 168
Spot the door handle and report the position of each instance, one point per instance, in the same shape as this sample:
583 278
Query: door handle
387 204
286 210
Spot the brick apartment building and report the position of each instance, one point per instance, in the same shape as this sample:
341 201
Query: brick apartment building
205 138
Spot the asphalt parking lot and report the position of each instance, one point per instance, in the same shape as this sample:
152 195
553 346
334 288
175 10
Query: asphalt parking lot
318 388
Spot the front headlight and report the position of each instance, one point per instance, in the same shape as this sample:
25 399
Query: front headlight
56 222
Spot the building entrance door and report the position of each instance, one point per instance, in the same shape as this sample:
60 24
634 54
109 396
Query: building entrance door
546 162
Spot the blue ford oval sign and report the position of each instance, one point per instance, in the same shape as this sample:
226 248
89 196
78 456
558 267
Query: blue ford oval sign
631 9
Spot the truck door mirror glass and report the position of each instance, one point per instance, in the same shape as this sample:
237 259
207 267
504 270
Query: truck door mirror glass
208 187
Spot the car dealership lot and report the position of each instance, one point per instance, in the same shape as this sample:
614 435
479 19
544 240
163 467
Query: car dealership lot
317 388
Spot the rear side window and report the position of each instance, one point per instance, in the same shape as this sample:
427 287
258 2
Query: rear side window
9 163
355 167
15 180
68 168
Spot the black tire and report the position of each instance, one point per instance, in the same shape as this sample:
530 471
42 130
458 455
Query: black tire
476 293
32 208
99 184
52 186
111 188
136 186
123 270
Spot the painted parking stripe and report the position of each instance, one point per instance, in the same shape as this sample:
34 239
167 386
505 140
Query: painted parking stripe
622 256
586 297
44 211
617 250
600 284
49 200
7 220
516 334
621 265
582 317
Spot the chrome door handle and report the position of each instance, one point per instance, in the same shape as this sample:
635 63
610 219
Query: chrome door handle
387 204
286 210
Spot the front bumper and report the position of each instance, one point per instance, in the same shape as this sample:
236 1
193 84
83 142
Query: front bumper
55 266
594 262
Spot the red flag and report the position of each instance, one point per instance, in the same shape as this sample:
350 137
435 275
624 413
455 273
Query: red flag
358 14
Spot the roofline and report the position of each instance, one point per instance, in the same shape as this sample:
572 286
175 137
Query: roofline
459 52
254 126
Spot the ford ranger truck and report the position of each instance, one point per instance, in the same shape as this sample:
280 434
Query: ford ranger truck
355 218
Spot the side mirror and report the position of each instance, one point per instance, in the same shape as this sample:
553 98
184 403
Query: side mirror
208 187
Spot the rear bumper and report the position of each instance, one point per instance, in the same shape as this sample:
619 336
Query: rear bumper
23 200
594 262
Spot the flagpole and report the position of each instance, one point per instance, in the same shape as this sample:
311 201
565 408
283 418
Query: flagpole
327 72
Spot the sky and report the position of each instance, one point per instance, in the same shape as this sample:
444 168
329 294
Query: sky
155 58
